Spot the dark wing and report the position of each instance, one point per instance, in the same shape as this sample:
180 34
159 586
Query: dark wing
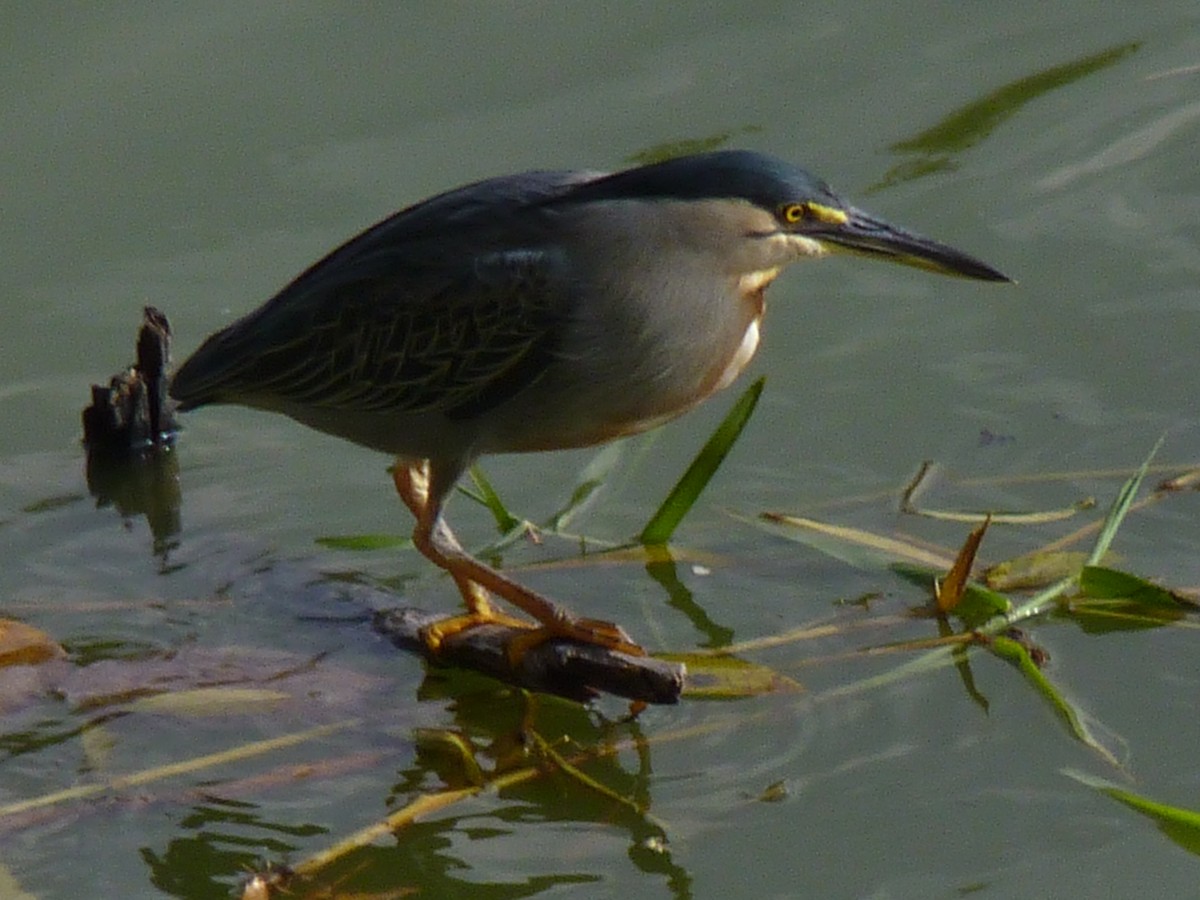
451 306
414 342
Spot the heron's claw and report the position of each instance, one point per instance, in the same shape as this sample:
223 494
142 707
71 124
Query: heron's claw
596 632
442 630
564 627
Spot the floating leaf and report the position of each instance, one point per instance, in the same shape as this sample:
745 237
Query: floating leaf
1111 601
24 645
210 701
1034 570
1101 583
720 677
1181 825
361 542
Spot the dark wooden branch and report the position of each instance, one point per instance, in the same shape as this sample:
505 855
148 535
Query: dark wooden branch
128 430
132 414
567 668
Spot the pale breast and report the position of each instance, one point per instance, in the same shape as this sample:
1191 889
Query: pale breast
745 353
751 289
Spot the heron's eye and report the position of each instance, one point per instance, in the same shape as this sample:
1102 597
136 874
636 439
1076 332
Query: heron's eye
811 211
795 212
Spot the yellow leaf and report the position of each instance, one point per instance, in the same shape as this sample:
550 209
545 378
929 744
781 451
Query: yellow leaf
24 645
949 591
210 701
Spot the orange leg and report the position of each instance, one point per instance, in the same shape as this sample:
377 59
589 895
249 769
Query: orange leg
433 537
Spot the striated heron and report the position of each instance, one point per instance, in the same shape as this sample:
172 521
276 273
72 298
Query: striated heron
537 312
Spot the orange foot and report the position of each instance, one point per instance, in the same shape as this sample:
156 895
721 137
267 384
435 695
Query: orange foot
585 631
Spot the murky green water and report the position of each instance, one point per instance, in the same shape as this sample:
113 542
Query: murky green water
197 159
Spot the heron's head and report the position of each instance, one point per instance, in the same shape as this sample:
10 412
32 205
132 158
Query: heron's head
764 213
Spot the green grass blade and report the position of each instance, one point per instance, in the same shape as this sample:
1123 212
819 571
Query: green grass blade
1179 824
1012 651
668 516
1120 508
505 521
1039 603
593 477
1034 606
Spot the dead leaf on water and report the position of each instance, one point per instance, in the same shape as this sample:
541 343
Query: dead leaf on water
24 645
948 592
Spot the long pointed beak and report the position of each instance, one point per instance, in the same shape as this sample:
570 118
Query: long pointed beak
863 233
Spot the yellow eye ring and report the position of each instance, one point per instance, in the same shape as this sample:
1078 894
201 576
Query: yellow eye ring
794 212
811 211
